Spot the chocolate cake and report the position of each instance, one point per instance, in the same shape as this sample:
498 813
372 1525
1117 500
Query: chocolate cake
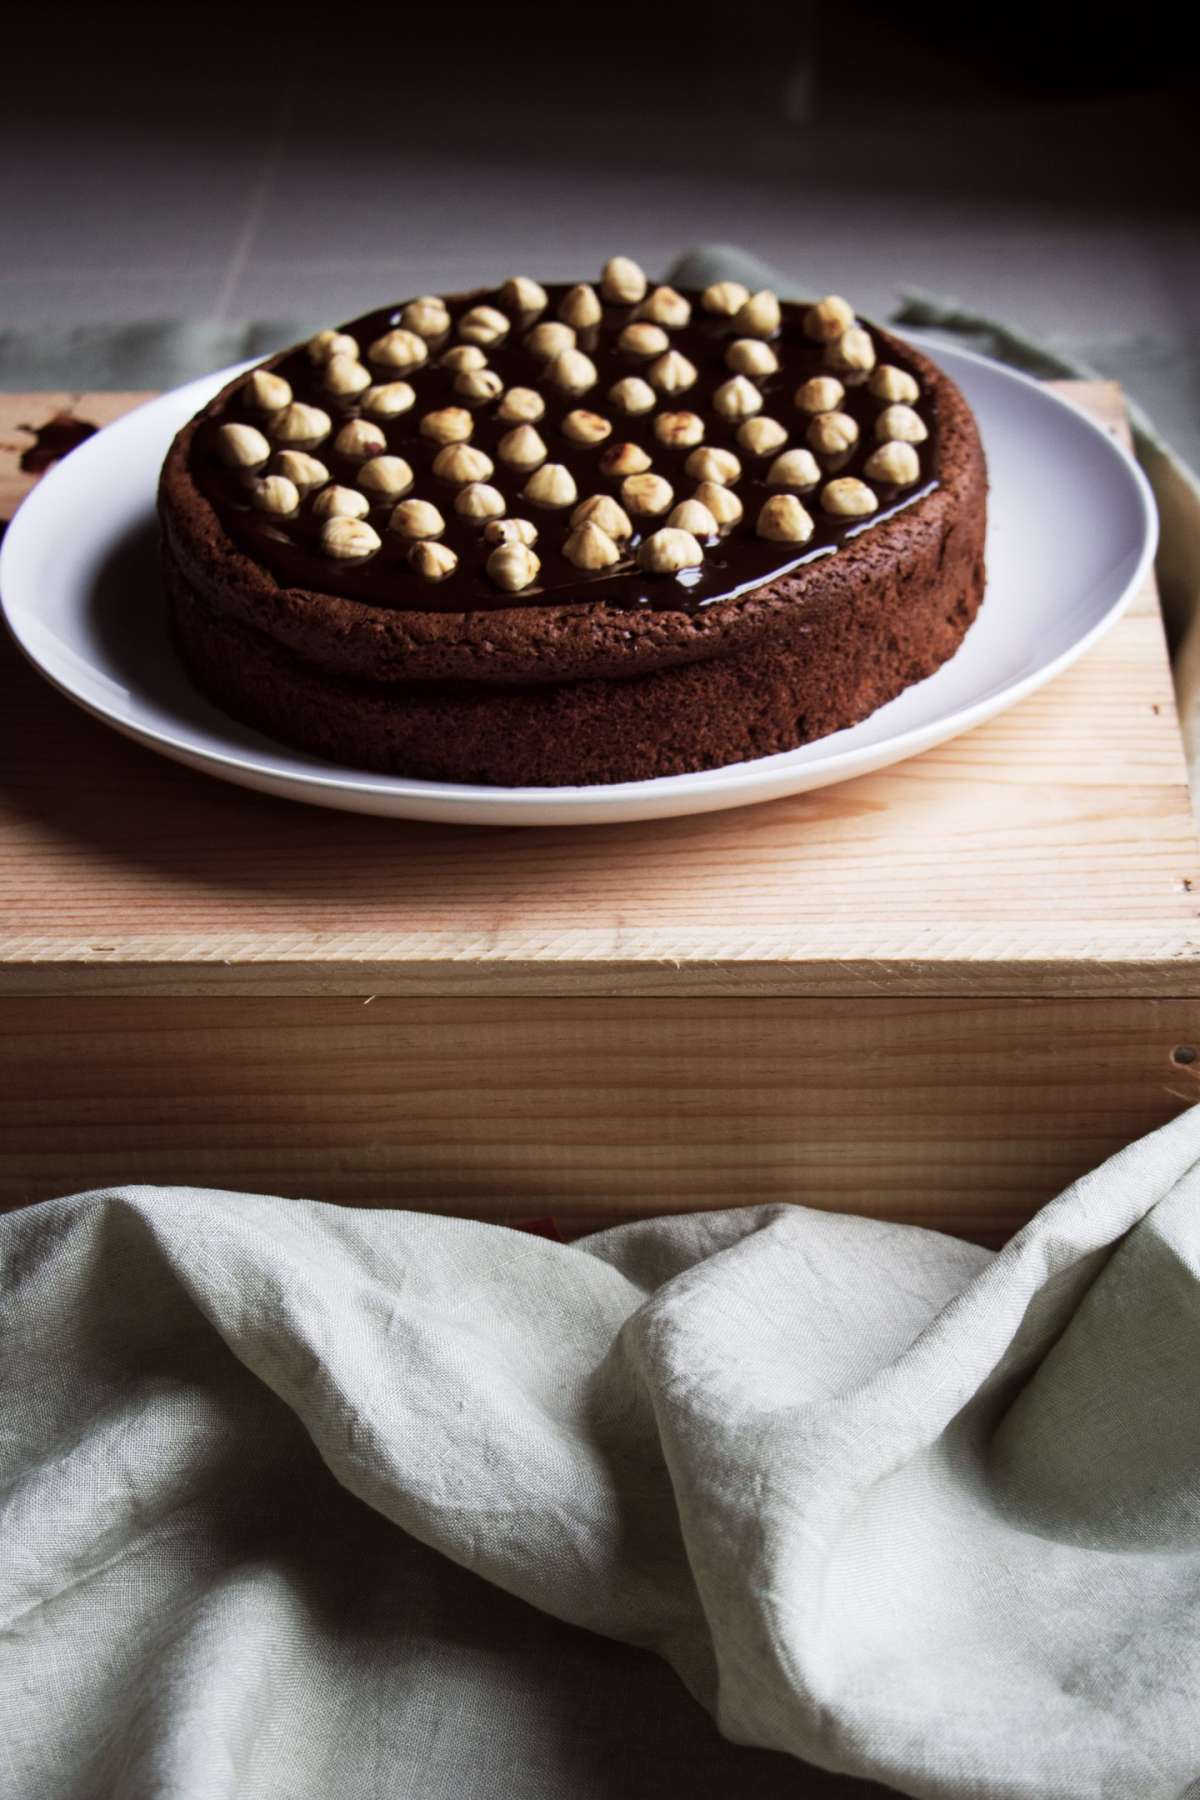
564 535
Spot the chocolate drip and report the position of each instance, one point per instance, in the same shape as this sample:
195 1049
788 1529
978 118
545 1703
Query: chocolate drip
54 440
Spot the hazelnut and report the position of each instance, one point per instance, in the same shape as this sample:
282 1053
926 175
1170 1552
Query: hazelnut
572 371
679 429
751 356
640 339
823 393
331 343
300 467
668 551
707 464
795 468
784 521
832 433
646 494
461 463
759 316
463 356
580 307
266 392
693 516
275 494
551 486
602 510
890 383
828 319
401 350
388 400
737 398
632 395
761 436
724 298
429 316
479 500
417 519
622 281
242 447
521 404
522 295
902 423
853 351
432 562
385 477
896 463
672 373
300 424
721 502
513 567
340 503
358 438
588 547
349 540
510 531
523 447
848 498
666 307
625 459
586 427
549 340
478 384
483 325
448 425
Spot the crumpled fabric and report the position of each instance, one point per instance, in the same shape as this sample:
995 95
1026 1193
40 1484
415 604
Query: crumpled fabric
294 1494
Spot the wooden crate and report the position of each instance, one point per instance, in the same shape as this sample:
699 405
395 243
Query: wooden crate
937 993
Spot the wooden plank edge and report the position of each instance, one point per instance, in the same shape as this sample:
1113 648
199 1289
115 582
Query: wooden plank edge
1172 976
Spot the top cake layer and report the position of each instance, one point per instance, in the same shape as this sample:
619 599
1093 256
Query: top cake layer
526 447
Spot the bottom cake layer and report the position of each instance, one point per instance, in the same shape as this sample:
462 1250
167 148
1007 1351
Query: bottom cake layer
702 715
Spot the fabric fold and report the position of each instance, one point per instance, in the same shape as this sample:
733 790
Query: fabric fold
894 1505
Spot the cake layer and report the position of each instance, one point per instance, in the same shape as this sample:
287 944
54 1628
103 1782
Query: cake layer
835 670
568 635
691 531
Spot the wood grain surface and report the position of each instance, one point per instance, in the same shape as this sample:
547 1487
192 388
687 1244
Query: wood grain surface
962 1114
1050 851
935 994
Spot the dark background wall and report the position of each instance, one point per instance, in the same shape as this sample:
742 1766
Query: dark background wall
283 161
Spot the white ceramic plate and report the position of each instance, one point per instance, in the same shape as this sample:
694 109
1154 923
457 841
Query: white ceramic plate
1072 531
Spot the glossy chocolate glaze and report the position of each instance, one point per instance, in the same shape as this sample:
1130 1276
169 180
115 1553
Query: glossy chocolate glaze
735 562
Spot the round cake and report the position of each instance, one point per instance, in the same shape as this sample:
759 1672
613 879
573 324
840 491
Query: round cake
557 535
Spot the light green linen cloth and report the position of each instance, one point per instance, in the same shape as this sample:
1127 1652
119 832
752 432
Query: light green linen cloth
893 1504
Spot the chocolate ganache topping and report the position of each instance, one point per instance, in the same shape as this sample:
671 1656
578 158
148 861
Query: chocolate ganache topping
633 447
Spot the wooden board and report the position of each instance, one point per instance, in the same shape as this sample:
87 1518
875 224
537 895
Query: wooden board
1048 851
963 1114
937 992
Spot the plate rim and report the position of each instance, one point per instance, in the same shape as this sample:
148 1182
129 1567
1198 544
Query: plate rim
589 803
